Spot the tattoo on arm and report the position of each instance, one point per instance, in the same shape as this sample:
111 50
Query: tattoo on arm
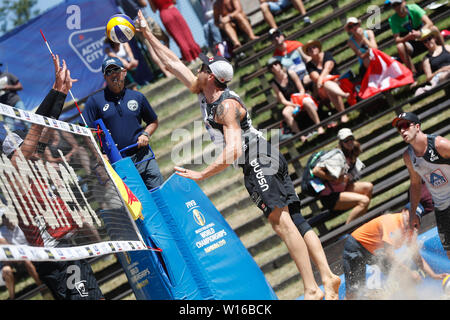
238 116
220 112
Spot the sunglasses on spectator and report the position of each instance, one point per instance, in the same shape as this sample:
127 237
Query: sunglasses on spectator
351 25
427 40
404 126
348 139
396 4
112 71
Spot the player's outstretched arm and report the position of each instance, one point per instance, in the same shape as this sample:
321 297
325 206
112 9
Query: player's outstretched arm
167 57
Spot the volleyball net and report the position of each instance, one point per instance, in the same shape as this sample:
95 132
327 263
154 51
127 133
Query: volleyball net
60 200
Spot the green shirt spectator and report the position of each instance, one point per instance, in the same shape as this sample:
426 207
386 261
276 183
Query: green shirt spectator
412 20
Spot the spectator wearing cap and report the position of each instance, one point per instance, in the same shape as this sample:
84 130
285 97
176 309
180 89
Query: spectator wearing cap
360 41
290 54
427 158
271 7
228 122
375 242
406 25
324 74
228 15
343 191
436 63
123 110
290 92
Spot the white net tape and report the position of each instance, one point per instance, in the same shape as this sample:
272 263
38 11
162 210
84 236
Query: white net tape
58 200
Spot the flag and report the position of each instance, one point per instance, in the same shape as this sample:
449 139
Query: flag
383 73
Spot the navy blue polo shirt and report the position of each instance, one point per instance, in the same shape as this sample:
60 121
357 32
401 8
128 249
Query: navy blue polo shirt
122 114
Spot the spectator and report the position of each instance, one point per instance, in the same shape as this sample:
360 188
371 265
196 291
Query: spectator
406 25
360 41
177 28
54 274
291 55
11 234
339 170
9 85
286 84
271 7
212 32
228 14
427 158
131 7
125 54
436 64
121 108
374 243
324 74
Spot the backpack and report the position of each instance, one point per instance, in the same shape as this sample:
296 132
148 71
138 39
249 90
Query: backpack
308 176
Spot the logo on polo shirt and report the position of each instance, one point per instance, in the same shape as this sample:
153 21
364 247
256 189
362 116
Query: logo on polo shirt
132 105
106 107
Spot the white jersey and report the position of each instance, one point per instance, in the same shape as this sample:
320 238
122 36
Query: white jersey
435 172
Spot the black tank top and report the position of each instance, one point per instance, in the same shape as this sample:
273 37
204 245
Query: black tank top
439 61
289 89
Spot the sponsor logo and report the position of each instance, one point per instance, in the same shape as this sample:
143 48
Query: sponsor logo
437 178
259 175
132 105
88 45
105 107
198 217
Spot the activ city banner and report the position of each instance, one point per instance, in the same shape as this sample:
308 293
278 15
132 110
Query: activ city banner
75 30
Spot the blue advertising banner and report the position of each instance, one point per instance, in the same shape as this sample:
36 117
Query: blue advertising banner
75 30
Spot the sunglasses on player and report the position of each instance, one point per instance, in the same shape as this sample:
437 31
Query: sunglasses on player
404 126
111 71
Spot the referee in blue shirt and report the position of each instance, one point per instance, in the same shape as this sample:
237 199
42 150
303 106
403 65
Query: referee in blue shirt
123 110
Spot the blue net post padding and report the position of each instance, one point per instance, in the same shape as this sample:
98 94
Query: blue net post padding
201 259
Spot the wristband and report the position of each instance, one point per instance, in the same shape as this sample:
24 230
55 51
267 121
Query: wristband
145 133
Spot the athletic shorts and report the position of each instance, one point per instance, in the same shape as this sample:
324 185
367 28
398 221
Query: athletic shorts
69 280
443 226
279 5
329 201
266 178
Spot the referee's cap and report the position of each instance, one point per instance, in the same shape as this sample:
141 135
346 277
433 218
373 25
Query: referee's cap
220 67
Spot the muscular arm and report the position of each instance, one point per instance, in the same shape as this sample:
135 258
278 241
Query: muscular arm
228 114
168 58
415 188
443 147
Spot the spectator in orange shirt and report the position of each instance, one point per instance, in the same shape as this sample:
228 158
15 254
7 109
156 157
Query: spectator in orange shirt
375 242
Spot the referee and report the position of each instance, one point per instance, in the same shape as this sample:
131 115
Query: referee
123 110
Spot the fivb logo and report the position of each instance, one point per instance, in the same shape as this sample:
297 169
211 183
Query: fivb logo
87 44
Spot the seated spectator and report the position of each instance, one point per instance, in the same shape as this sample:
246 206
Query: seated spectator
406 25
339 171
374 243
360 41
210 30
228 14
123 52
436 64
271 7
324 74
11 234
291 93
291 55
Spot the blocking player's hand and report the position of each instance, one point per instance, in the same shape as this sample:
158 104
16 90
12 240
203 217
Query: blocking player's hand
142 141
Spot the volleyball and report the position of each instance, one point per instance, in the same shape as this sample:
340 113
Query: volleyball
446 285
120 28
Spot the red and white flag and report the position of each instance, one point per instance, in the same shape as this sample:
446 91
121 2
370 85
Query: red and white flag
383 73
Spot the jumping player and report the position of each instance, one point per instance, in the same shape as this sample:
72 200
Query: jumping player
427 158
265 169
